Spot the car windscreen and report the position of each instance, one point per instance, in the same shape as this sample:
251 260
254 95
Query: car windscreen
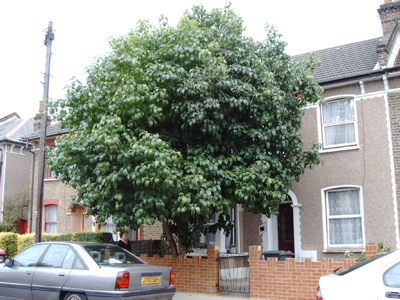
109 254
363 263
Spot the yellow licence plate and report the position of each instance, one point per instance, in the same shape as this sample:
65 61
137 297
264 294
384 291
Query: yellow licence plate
151 280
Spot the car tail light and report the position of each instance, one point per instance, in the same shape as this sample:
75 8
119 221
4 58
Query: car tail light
319 294
171 277
122 281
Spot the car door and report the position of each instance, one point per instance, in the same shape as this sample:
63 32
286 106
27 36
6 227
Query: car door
390 283
52 272
16 276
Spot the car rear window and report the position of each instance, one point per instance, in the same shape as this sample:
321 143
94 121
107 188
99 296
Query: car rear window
363 263
109 254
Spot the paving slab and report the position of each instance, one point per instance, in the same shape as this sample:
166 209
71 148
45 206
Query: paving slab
220 296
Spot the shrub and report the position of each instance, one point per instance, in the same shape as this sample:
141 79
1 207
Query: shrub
6 227
13 243
57 237
9 242
97 237
25 240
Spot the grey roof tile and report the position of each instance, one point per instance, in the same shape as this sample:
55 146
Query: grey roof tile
52 130
13 128
346 60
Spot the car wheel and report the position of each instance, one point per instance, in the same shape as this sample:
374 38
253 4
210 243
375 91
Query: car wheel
75 296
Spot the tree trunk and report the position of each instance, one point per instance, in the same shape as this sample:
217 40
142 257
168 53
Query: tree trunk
170 239
182 245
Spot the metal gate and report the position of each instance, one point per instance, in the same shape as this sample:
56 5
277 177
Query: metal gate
234 273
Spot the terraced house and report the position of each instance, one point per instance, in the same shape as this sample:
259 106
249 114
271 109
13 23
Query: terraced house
15 167
351 199
345 203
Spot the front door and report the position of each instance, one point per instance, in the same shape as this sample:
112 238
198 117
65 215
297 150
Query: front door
285 227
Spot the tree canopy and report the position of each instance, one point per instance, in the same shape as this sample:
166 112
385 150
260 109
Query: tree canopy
178 123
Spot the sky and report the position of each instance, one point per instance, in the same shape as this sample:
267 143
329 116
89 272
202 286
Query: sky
82 29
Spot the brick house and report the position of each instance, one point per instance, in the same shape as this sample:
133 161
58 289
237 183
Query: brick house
15 164
345 203
59 215
351 199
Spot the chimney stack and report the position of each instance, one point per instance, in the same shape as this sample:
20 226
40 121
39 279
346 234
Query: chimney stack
389 13
37 119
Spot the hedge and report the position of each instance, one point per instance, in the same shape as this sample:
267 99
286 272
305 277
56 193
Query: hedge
12 243
9 243
5 227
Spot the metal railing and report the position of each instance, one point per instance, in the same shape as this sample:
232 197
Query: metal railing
234 273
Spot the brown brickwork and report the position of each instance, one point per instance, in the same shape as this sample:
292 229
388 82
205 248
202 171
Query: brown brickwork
151 232
196 274
291 279
394 108
270 279
389 13
61 193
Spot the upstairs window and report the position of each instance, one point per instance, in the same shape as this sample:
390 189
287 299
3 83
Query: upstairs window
339 128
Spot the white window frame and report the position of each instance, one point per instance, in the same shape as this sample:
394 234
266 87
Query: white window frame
322 126
109 226
328 247
51 224
219 238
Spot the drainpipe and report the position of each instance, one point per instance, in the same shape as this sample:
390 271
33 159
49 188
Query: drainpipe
2 181
1 161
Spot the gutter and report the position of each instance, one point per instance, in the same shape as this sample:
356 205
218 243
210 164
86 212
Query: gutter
357 77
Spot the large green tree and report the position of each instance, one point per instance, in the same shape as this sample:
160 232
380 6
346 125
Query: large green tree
178 123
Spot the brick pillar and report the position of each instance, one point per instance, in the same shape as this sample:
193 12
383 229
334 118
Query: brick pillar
212 252
371 250
213 269
255 253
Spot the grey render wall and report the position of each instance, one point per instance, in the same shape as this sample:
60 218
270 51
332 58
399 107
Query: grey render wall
17 170
370 166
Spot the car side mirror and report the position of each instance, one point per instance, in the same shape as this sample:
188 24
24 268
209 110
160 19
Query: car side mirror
8 262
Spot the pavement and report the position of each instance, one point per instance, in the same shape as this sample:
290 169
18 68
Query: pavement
220 296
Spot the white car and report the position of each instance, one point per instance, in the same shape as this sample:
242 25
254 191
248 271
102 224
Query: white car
376 278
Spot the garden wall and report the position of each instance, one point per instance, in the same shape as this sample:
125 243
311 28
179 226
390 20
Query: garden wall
270 279
193 274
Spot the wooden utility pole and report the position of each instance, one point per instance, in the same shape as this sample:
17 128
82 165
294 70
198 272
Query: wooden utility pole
43 132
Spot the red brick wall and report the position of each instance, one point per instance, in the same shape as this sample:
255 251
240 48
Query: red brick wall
196 274
291 279
270 279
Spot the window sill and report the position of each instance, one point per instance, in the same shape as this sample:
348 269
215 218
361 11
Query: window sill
343 250
51 179
328 150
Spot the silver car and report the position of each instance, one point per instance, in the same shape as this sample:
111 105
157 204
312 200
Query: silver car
76 271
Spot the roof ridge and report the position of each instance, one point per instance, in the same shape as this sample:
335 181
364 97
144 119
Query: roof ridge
338 46
9 118
17 128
